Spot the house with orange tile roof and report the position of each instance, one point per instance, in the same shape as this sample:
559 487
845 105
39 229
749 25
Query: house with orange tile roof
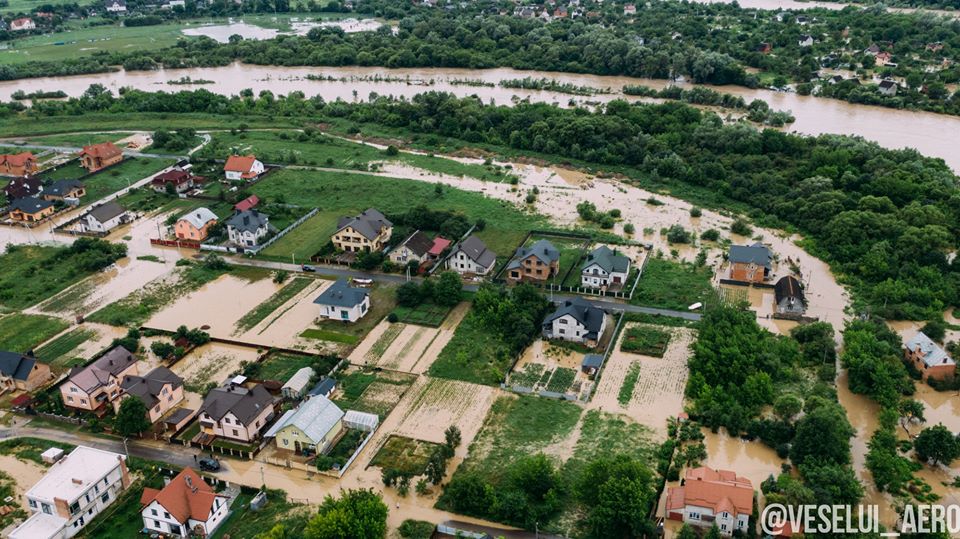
706 497
186 507
24 23
98 156
18 164
242 167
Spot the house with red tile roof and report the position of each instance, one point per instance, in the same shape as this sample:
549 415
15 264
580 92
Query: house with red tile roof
248 203
242 167
186 507
439 244
25 23
98 156
181 180
18 164
706 497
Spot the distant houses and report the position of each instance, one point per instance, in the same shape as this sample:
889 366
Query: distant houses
709 497
195 225
22 24
929 358
369 231
115 6
99 156
472 257
236 412
18 164
419 248
750 263
21 372
805 41
248 228
105 217
340 301
185 507
176 181
243 168
537 263
603 268
576 320
888 88
308 429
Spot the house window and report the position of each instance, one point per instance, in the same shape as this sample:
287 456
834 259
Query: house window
46 508
105 498
32 503
286 441
156 524
723 527
562 331
166 514
235 433
73 390
694 516
83 401
563 320
69 399
153 512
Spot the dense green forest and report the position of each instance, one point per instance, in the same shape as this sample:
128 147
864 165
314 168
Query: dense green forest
884 219
704 43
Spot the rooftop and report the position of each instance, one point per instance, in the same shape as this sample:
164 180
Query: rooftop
367 223
751 254
315 418
477 251
930 351
199 217
15 365
107 211
340 294
72 475
187 496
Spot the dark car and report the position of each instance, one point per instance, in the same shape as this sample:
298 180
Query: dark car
309 269
209 464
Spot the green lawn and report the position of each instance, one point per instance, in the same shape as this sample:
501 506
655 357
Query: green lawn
58 352
404 454
32 274
425 314
671 285
17 6
15 127
474 354
645 340
338 194
22 332
372 392
329 335
570 252
244 523
281 366
382 301
77 139
29 449
122 175
305 240
261 312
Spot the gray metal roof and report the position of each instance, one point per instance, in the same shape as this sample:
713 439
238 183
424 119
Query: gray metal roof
248 221
30 204
933 355
315 417
245 404
477 251
418 242
543 250
199 217
148 387
107 211
592 360
340 294
582 311
368 223
16 366
324 386
751 254
298 382
608 259
98 373
60 188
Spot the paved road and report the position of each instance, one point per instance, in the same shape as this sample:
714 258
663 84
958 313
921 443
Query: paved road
339 271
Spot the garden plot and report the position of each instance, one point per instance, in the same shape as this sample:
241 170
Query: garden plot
440 403
212 363
546 366
371 392
394 346
647 389
283 326
217 305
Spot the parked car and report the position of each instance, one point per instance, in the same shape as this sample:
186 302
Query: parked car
308 269
209 464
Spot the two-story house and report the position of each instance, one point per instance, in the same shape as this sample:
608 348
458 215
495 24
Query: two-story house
929 358
340 301
538 263
576 320
706 497
98 156
31 210
72 493
413 249
604 267
185 507
471 257
64 189
368 231
309 429
91 387
18 164
22 372
195 225
159 390
236 412
105 217
243 168
175 181
788 296
750 263
249 228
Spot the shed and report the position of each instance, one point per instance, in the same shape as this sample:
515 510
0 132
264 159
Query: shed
52 455
360 421
591 363
324 387
296 386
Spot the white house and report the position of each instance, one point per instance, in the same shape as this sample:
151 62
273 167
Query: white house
471 256
26 23
72 493
604 267
186 506
240 167
805 41
576 320
115 6
235 412
709 497
888 88
248 228
105 217
341 301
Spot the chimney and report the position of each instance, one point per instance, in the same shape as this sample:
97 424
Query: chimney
30 353
166 481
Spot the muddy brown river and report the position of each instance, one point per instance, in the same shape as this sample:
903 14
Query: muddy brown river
927 132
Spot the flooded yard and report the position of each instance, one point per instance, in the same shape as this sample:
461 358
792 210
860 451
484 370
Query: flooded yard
24 473
212 363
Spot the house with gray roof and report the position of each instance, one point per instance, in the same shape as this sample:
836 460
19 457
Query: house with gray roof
340 301
309 429
63 189
21 371
750 263
367 231
160 390
236 412
105 217
324 387
471 257
413 249
576 320
538 263
929 358
249 228
91 387
604 267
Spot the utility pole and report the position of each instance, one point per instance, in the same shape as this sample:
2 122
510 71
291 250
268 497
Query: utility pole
125 450
263 481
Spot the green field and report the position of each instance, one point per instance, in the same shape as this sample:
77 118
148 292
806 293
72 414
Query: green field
372 392
78 140
79 42
32 274
404 454
281 366
120 176
338 194
244 523
474 354
382 301
645 340
305 240
15 127
425 314
672 285
58 352
22 332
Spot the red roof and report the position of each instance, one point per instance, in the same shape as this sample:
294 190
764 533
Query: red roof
247 204
103 150
439 244
17 159
187 496
719 490
239 163
175 177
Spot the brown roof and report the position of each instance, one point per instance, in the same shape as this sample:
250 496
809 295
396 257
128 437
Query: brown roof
98 373
17 159
239 163
175 177
187 496
103 150
720 490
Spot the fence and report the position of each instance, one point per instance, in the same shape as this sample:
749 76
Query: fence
606 355
188 244
63 419
285 231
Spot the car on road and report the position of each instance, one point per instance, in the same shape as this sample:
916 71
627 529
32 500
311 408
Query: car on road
209 464
308 269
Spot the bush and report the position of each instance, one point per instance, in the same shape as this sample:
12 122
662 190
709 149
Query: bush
416 529
392 318
695 212
629 228
677 234
741 227
711 234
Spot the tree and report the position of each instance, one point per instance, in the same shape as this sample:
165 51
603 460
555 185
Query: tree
617 493
448 290
937 445
452 436
687 532
787 406
357 514
161 349
935 329
822 435
741 227
832 484
912 410
408 294
436 467
131 419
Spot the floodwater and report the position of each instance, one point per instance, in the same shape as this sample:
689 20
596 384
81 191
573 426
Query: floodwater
222 32
890 128
750 459
213 362
24 473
